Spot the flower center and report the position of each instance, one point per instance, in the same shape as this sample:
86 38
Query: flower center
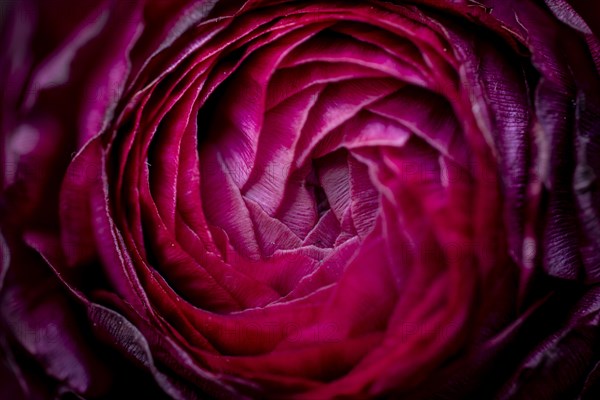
293 191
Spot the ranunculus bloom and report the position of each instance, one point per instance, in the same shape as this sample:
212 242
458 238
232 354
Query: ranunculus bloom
304 200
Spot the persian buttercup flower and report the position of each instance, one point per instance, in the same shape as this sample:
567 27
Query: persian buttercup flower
300 199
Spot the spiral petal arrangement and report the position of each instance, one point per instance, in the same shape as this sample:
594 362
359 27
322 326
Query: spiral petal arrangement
326 199
305 197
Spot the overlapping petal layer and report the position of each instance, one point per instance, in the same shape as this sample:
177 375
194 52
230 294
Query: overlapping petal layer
313 178
322 200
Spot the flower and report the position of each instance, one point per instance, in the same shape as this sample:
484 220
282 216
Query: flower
287 199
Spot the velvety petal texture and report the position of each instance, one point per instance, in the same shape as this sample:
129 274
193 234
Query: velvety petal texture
269 199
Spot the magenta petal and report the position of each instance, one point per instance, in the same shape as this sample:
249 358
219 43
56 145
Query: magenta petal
325 231
337 104
225 206
279 138
364 198
271 234
334 179
427 115
44 321
324 48
76 210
